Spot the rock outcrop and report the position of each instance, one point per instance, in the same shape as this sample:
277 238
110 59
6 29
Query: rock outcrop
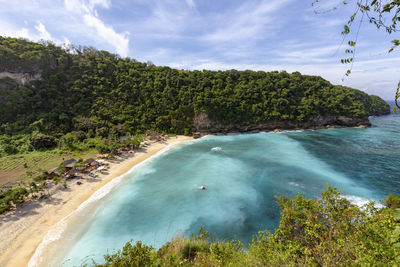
203 124
20 78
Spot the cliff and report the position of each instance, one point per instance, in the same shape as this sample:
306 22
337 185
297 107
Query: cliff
20 78
204 125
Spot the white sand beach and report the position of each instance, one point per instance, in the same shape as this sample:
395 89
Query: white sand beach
23 230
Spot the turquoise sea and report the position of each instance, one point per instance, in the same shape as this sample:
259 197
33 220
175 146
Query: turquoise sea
242 174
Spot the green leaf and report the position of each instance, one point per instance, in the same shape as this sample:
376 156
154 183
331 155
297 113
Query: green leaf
395 110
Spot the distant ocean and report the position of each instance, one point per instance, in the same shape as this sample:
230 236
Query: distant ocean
242 175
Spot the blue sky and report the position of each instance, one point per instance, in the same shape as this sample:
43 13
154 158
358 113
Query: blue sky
214 34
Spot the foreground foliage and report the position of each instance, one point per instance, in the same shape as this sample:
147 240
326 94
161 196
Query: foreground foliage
384 14
329 231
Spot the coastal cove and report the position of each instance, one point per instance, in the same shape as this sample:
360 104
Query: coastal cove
242 173
24 229
199 133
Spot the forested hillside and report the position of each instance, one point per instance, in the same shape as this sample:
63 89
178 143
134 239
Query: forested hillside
47 92
101 93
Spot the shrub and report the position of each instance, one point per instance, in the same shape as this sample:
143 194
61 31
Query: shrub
12 196
131 255
42 176
18 195
392 201
4 207
103 148
67 141
10 149
79 135
42 141
57 179
192 248
102 131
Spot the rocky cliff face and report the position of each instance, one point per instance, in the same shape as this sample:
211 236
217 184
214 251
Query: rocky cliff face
20 77
204 124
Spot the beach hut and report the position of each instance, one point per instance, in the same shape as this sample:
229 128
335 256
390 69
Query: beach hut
88 161
91 163
81 169
69 163
54 173
95 164
72 173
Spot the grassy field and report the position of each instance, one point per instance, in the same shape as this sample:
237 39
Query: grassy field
23 167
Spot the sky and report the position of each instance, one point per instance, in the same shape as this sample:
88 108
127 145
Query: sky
264 35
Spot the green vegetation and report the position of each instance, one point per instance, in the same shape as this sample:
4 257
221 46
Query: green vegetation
324 232
8 198
98 94
80 101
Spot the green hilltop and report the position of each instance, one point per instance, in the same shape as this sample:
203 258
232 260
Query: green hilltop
56 91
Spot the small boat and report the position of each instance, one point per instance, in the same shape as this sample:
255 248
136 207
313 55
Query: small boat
202 187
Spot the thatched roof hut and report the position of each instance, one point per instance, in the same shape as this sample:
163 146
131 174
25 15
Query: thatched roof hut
88 161
54 173
72 173
81 169
91 162
69 163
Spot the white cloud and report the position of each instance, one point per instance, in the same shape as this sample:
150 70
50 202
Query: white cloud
43 33
67 41
39 32
74 5
102 3
248 22
85 5
107 33
23 33
87 11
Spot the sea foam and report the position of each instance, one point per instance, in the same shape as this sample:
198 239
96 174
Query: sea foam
361 202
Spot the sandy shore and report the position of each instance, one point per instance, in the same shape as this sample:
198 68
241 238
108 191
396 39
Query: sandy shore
23 230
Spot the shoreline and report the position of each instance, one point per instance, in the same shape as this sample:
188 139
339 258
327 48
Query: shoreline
23 230
205 126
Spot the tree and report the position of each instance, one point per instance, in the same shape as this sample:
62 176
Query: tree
383 14
42 141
